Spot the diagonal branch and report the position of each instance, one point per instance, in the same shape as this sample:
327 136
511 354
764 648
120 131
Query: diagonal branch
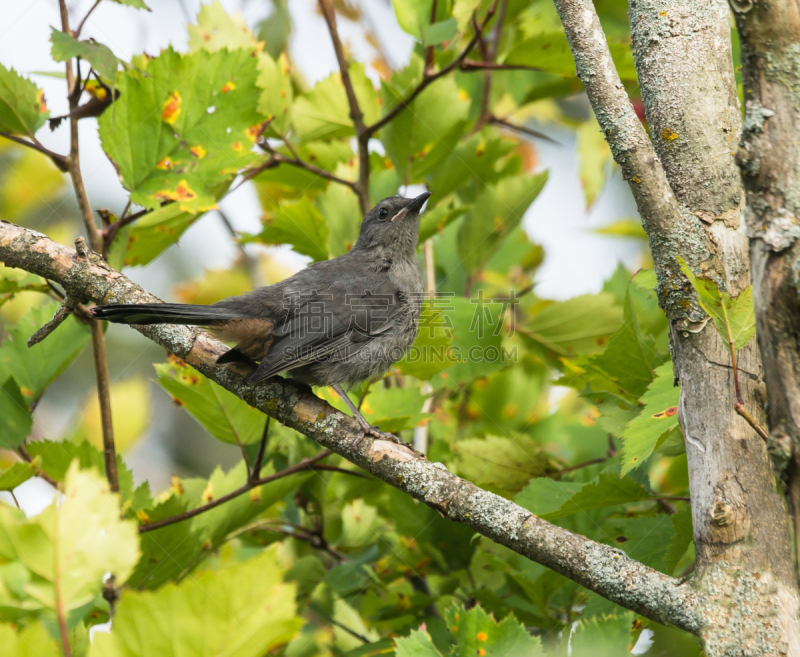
362 137
600 568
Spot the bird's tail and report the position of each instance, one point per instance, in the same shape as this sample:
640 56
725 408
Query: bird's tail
164 313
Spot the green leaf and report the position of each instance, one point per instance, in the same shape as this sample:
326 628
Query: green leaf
37 367
394 409
602 637
177 548
682 537
324 114
497 211
17 475
595 160
431 352
623 228
604 491
243 609
544 495
16 420
299 224
136 4
65 47
216 30
276 100
338 205
475 631
184 126
425 133
68 549
549 52
734 317
223 414
22 106
29 184
579 326
436 220
157 230
475 162
414 17
416 644
504 464
31 641
632 353
655 421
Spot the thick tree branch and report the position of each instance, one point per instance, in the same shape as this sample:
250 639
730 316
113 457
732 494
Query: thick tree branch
600 568
672 231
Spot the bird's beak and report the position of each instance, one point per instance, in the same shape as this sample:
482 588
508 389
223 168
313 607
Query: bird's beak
418 202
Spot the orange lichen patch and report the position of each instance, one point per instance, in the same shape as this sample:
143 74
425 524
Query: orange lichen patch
95 89
237 146
666 413
172 108
41 101
228 86
198 151
668 135
165 164
181 193
254 131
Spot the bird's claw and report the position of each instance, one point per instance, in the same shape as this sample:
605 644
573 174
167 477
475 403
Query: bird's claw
375 432
383 435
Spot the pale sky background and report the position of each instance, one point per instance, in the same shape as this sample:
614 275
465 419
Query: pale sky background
577 260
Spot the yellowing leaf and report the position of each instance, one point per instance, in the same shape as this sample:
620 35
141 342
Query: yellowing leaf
63 555
179 105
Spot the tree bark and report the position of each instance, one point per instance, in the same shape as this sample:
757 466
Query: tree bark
690 197
600 568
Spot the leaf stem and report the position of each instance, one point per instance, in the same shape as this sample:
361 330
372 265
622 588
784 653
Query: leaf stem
78 29
305 464
59 160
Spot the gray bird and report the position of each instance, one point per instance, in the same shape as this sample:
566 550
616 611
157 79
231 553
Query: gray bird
335 323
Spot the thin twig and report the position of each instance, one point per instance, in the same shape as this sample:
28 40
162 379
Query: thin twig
584 464
305 464
78 29
64 311
428 79
469 65
356 115
255 473
521 128
25 455
97 243
489 56
59 160
331 621
740 409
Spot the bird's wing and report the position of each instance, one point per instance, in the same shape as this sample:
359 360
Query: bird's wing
334 324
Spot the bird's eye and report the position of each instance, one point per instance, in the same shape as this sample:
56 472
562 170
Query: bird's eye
383 213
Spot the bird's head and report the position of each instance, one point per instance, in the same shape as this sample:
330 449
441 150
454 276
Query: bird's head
392 225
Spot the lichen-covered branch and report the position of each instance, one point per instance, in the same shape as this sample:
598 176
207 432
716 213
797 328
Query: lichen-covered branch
600 568
671 230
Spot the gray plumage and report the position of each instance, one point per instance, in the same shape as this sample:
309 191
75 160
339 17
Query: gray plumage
335 323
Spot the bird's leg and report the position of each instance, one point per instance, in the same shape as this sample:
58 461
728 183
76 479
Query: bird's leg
365 426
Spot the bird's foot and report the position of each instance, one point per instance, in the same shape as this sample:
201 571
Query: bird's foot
375 432
383 435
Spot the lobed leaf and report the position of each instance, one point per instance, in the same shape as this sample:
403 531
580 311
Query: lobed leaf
22 105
